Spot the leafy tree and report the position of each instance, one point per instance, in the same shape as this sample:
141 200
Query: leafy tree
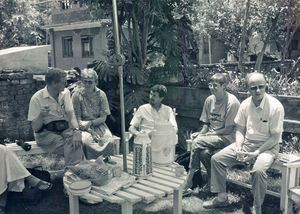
266 21
289 26
147 29
20 24
214 18
226 21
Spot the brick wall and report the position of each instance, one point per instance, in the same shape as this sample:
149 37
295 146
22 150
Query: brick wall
16 89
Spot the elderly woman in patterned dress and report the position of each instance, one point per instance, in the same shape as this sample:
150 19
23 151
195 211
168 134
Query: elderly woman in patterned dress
91 109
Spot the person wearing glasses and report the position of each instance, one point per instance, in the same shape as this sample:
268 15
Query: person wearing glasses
53 120
91 109
259 126
218 114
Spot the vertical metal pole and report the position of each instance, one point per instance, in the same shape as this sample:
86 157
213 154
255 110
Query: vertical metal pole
120 70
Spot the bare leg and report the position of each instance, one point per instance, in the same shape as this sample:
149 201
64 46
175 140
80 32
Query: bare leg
189 179
36 182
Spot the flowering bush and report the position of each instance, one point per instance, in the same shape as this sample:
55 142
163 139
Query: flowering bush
278 83
290 143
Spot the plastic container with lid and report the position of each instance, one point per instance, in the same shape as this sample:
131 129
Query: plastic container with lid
164 139
80 187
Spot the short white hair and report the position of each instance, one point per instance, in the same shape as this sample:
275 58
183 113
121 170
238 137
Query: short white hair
89 72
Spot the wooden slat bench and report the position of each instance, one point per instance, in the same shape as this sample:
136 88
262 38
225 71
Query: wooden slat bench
293 185
288 175
35 149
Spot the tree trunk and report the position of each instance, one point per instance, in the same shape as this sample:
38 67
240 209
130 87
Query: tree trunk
136 37
266 42
243 38
289 35
286 46
200 48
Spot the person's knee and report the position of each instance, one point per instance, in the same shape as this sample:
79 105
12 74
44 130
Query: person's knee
197 142
216 157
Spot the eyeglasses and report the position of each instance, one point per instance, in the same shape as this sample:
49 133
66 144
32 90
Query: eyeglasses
254 88
89 82
213 85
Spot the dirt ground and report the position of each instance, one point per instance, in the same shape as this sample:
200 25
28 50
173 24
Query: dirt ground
55 202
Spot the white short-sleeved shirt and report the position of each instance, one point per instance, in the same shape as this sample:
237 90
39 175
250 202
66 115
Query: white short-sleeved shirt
146 117
261 121
217 115
57 109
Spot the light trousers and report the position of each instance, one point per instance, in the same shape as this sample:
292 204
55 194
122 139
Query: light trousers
227 158
12 171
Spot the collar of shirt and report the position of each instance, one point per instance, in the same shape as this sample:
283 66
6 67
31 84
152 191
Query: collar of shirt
46 94
154 109
262 103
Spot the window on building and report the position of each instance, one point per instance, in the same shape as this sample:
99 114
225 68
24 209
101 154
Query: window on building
67 46
65 4
87 46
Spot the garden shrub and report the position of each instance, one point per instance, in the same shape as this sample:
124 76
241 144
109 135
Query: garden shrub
278 83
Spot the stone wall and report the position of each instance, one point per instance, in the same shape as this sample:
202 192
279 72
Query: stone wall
16 89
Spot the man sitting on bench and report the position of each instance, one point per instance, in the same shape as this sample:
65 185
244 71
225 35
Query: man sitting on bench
53 119
259 123
218 115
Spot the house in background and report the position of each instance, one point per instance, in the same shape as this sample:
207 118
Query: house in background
75 38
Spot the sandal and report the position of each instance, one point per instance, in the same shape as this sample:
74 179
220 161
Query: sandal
43 186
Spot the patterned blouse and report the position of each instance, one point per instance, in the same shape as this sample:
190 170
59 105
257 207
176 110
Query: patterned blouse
91 106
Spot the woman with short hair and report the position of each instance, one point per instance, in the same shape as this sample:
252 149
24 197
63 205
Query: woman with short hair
91 109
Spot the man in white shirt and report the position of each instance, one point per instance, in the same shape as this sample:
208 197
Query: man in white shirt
53 120
259 123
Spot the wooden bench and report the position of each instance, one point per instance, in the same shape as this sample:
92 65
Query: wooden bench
293 185
289 174
35 149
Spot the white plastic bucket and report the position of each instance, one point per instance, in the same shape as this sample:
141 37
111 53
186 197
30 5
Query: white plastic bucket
163 141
